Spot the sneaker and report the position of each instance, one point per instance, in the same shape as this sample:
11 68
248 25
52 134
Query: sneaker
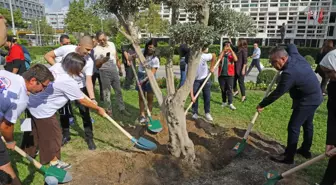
60 164
143 120
195 116
65 140
224 104
92 120
91 144
232 107
235 93
124 112
71 121
208 117
282 159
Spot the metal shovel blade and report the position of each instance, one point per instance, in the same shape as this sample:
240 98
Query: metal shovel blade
272 177
154 125
144 144
61 175
239 147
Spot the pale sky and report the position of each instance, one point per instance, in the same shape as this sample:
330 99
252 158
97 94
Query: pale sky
55 5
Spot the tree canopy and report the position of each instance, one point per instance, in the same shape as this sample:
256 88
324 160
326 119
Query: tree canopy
18 20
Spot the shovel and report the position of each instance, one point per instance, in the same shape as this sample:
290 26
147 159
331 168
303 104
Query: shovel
140 143
239 147
154 125
200 89
273 176
61 175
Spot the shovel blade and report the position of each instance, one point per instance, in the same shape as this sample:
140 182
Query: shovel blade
239 147
61 175
154 126
272 177
144 144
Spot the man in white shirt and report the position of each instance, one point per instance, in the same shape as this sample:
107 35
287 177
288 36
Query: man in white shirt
201 74
14 91
255 59
85 83
107 61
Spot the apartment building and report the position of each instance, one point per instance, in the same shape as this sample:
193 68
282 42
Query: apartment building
30 9
56 19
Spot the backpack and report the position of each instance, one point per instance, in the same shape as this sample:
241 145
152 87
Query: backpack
26 56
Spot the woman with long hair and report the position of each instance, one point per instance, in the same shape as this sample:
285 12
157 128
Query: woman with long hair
240 68
153 62
328 45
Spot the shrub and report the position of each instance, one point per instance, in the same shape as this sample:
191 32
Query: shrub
176 60
266 76
40 50
163 61
310 60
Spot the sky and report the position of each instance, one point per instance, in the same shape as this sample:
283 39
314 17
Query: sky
55 5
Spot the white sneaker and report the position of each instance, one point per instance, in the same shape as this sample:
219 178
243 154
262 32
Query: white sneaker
232 107
235 93
208 117
195 116
224 104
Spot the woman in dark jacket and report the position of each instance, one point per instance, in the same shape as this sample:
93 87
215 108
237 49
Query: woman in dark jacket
327 46
328 65
240 68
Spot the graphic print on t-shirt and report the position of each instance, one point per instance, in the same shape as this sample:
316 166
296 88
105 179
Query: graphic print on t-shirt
4 83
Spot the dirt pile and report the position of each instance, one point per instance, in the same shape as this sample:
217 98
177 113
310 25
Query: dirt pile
216 162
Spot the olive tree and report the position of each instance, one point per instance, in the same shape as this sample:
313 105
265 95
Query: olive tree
196 35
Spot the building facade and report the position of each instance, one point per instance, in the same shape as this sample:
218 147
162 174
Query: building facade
30 9
56 19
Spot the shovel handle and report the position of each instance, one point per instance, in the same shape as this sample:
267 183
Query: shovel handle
269 88
24 154
200 89
304 165
140 90
112 121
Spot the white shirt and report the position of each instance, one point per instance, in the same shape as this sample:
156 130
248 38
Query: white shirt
100 52
56 95
202 70
152 62
88 68
13 96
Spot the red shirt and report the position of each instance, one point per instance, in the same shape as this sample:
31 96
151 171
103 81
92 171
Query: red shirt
15 53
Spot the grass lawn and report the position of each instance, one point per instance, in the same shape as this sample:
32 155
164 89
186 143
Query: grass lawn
272 122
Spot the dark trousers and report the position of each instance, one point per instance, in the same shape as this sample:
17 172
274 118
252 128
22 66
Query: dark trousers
85 114
256 63
226 84
129 78
329 177
240 78
301 116
96 76
324 77
206 95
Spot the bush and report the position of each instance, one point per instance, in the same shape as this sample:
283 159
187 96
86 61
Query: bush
310 60
163 61
40 50
266 76
176 60
23 42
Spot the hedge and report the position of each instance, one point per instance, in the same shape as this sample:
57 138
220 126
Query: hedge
40 50
266 76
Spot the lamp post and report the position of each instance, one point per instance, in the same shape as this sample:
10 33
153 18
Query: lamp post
101 22
11 10
39 30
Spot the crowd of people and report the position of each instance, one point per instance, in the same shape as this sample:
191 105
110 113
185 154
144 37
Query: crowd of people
41 92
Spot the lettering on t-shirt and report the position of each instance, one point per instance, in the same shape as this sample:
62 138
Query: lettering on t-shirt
4 83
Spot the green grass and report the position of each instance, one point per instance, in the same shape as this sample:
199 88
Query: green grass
272 122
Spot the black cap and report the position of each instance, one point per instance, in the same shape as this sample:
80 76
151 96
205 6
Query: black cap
226 41
10 38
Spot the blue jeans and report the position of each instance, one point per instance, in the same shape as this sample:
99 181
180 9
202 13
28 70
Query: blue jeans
206 95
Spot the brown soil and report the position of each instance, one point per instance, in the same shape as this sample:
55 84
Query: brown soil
216 163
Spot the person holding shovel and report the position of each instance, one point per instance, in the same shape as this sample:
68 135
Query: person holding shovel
152 62
299 79
328 65
43 108
14 92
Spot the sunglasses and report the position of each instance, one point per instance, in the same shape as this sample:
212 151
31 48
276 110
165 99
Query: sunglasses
43 85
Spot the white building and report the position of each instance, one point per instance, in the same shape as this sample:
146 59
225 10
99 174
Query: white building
56 19
30 9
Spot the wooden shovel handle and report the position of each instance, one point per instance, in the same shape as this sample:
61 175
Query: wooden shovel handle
140 90
24 154
308 163
200 89
269 88
112 121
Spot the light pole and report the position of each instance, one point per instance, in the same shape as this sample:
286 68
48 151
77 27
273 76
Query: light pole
39 30
11 10
101 22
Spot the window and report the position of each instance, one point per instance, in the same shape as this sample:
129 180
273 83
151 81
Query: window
331 31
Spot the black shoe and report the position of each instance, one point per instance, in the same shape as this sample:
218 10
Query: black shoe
91 144
282 159
65 140
305 154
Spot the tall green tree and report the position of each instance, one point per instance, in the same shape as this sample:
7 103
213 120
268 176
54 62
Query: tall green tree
46 31
150 20
18 20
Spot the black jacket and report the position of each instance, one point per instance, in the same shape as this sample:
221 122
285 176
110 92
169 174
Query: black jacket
331 105
299 79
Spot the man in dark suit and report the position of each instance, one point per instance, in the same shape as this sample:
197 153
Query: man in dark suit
299 79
